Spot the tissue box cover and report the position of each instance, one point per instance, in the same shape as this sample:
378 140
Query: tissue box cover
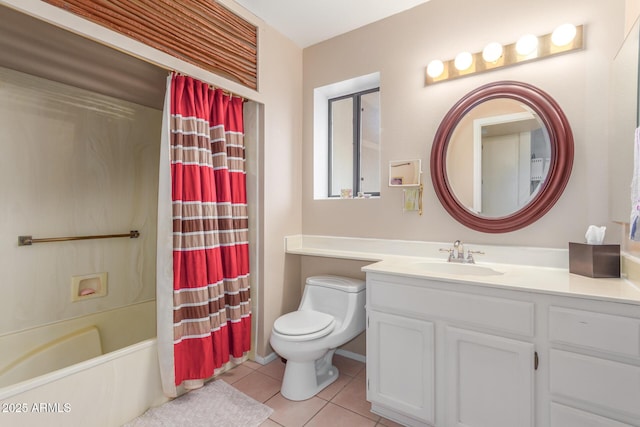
599 261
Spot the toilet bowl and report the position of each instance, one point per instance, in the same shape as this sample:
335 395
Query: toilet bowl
331 313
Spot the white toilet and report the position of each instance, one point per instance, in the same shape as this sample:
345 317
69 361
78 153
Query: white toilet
330 314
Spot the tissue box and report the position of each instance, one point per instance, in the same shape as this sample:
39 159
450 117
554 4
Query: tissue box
594 260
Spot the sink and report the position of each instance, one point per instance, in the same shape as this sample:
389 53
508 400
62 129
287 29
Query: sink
459 269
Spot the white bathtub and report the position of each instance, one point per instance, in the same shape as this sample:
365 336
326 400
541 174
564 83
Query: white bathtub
106 390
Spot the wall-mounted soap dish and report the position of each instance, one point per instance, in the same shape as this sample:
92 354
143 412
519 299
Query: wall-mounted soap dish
88 286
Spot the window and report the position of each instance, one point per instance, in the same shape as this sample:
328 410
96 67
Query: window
354 143
369 153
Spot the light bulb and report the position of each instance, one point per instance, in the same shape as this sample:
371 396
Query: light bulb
527 45
463 61
492 52
563 35
435 68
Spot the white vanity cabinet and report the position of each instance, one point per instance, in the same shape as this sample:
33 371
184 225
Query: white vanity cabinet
488 381
446 353
594 367
495 344
440 357
401 374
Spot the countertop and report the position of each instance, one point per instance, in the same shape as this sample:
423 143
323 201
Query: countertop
557 281
541 270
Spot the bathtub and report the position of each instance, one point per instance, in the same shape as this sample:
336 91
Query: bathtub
118 381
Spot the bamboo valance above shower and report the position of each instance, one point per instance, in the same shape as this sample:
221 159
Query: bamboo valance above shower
201 32
29 240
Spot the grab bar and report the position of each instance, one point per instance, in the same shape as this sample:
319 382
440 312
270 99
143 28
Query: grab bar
29 240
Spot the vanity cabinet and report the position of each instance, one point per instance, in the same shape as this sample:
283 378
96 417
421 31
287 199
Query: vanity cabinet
446 353
401 367
489 380
594 367
437 357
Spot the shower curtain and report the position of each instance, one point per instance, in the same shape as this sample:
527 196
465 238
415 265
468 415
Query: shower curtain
204 308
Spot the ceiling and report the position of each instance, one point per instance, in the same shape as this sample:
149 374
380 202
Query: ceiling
308 22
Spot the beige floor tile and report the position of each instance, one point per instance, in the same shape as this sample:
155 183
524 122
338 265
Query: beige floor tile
274 369
363 373
259 386
233 375
388 423
354 398
270 423
251 364
336 416
348 366
293 414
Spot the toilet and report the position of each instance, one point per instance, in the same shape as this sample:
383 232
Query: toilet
330 314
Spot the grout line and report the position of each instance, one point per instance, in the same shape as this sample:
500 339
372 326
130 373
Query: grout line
318 411
326 402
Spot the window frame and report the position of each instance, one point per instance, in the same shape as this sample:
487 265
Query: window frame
357 141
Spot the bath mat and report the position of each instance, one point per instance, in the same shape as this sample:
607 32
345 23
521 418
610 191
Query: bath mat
215 404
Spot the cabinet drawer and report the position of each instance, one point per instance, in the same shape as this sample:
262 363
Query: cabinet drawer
500 314
565 416
604 383
604 332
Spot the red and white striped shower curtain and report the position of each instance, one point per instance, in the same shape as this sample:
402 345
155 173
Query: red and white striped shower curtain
211 307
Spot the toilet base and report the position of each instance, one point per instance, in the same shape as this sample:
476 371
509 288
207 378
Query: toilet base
303 380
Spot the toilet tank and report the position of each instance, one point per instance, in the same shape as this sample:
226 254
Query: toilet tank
333 295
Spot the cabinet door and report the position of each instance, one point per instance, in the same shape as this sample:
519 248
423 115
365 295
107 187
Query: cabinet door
489 380
400 364
564 416
602 383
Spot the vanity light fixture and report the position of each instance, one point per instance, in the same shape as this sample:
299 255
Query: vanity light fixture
463 61
563 35
527 45
565 38
492 52
435 68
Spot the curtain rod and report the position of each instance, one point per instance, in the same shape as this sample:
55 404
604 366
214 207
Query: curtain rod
225 91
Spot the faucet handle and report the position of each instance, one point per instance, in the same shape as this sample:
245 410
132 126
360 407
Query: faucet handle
470 255
449 251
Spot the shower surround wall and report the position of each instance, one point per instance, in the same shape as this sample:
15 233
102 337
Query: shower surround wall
74 163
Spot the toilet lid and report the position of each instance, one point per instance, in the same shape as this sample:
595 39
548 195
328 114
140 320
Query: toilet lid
304 322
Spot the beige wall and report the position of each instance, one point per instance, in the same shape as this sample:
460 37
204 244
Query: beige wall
281 86
632 11
401 46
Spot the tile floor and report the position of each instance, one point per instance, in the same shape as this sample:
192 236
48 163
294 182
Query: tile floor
343 403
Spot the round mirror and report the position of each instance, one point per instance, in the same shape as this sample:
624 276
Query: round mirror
502 157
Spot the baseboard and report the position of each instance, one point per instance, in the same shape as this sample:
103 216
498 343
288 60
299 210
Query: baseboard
344 353
352 355
265 360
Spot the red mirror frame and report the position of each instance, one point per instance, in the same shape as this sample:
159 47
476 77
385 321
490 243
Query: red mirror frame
560 137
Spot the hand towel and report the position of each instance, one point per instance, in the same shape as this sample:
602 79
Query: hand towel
634 224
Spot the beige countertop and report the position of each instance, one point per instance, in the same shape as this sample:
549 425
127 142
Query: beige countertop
558 281
539 270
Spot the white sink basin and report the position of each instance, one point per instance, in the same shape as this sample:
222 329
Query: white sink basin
459 269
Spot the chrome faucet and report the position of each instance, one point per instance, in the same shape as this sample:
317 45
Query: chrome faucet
456 253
